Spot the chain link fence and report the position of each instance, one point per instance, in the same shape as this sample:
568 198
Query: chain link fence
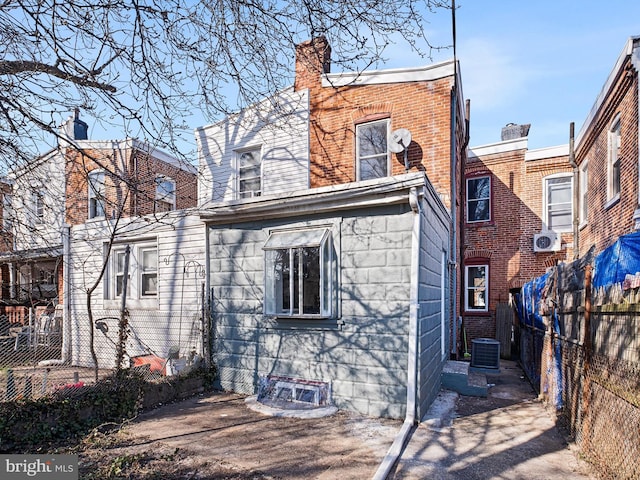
585 362
46 354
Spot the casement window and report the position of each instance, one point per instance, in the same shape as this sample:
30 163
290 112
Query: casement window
165 198
300 274
476 288
613 161
142 274
584 191
479 199
96 194
372 152
558 203
249 168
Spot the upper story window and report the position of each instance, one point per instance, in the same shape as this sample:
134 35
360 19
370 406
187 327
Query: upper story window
142 273
165 198
249 173
96 194
476 288
300 273
558 205
7 212
37 203
584 192
479 199
613 160
372 152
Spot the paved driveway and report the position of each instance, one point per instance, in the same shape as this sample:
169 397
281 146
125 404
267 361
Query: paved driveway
506 436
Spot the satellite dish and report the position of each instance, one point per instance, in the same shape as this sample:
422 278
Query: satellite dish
400 140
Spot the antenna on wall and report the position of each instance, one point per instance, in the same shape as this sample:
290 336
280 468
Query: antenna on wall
400 140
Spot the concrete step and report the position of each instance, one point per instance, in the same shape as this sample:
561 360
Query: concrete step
457 377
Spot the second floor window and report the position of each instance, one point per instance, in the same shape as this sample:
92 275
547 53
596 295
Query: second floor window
558 204
7 213
96 194
37 202
372 152
584 191
479 199
249 173
165 198
613 167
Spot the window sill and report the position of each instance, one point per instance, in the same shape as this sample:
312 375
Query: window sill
487 223
612 202
582 225
138 304
477 313
302 323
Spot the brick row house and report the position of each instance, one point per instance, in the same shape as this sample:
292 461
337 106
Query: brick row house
522 206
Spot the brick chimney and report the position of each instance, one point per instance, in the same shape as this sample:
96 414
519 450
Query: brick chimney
313 58
511 131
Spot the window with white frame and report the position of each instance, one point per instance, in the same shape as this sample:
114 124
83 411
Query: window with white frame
249 166
142 273
37 202
613 161
476 288
300 274
372 152
584 191
479 199
558 203
96 194
165 198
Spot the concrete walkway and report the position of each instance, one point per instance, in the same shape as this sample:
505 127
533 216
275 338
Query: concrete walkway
508 435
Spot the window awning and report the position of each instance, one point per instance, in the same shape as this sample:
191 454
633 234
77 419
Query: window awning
296 238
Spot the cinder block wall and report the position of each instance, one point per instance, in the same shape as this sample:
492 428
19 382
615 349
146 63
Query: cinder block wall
364 353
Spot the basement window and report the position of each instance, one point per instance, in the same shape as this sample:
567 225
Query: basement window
300 274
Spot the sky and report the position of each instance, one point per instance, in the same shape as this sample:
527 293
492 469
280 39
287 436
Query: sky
541 62
537 62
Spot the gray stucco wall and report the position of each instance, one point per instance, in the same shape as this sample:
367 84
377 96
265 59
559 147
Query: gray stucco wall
363 353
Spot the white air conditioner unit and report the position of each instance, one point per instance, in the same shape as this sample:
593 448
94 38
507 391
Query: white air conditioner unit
546 242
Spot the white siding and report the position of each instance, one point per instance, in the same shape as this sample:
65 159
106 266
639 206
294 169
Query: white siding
45 176
173 319
280 126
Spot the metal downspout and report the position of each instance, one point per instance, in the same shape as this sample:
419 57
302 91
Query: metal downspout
576 194
409 424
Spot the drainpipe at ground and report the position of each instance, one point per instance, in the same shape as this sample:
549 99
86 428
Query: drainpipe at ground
409 424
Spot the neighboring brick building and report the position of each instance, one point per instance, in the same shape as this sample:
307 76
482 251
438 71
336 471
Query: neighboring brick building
507 210
607 155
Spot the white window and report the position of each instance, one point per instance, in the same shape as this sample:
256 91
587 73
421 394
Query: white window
584 192
142 277
479 199
37 202
372 152
558 203
300 274
96 194
249 166
476 288
613 163
165 199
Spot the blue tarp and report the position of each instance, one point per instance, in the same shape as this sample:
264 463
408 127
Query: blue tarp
614 263
531 298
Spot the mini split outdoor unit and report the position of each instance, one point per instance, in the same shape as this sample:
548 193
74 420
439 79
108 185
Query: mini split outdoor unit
485 353
546 242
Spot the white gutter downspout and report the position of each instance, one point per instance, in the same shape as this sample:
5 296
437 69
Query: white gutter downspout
409 424
635 61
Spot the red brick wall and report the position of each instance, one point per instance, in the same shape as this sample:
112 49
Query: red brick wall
506 241
421 107
135 182
604 225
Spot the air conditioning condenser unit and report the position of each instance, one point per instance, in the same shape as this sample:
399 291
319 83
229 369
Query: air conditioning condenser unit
546 242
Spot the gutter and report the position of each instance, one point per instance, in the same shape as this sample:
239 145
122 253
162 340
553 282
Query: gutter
392 456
